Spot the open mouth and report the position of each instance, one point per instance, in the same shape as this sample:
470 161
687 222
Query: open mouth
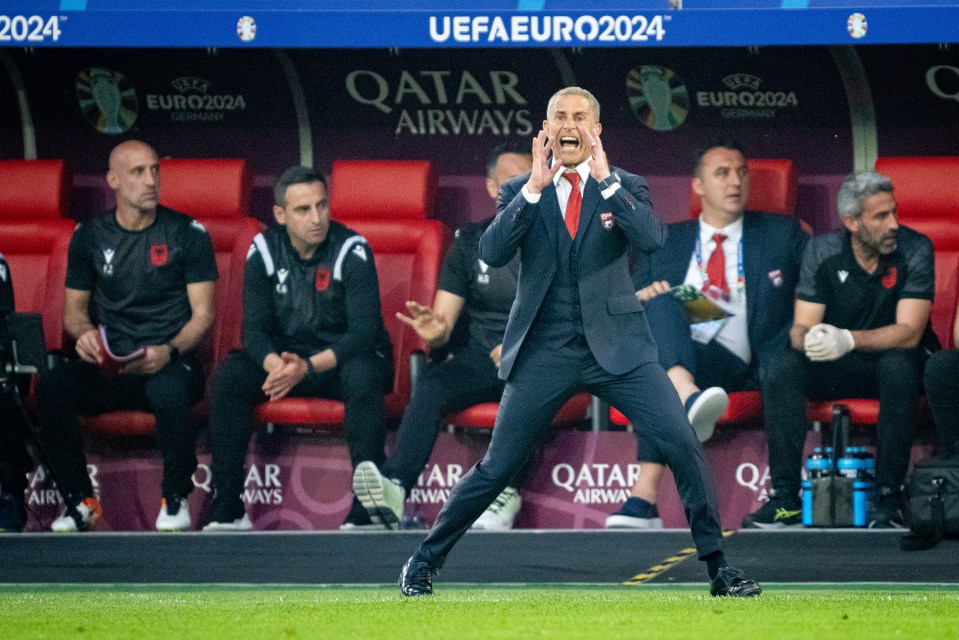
568 142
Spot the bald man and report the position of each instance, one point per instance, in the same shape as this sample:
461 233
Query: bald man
147 273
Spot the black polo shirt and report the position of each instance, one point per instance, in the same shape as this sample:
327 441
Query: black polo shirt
857 300
138 278
489 292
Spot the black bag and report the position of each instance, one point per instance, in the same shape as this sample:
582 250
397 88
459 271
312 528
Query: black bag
932 491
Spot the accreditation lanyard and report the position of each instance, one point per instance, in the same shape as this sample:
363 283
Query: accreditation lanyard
740 271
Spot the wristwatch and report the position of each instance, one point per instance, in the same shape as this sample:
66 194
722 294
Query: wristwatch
609 181
174 352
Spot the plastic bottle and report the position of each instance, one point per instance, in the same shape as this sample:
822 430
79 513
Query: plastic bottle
848 465
816 464
864 488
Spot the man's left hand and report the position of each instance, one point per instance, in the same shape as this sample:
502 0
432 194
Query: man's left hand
154 359
825 342
599 164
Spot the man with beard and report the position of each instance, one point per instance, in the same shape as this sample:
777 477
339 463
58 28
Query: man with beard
860 329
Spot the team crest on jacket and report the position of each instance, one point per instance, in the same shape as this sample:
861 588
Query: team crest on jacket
322 279
159 254
889 278
608 221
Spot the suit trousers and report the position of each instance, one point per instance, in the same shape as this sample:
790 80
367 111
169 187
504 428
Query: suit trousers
78 387
542 380
712 365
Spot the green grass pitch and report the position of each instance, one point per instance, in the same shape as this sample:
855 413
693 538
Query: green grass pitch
857 612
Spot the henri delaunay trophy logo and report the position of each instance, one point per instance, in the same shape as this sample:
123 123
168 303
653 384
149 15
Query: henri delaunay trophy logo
658 96
107 100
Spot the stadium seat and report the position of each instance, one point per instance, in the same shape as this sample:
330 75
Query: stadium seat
927 197
388 203
216 192
773 185
35 235
483 416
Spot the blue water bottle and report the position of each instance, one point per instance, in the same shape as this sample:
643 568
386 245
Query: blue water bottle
848 465
863 488
817 465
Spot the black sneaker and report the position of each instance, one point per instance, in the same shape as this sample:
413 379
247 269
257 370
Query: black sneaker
228 515
358 519
886 512
731 583
636 513
416 578
775 514
13 513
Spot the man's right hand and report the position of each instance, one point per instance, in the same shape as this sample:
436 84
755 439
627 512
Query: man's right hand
657 288
542 174
88 348
429 327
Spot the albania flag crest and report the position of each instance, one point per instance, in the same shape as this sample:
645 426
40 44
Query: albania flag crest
159 254
889 278
322 279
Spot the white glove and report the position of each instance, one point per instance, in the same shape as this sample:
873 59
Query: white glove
825 342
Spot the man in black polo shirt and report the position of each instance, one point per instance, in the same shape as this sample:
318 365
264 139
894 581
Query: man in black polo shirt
482 296
146 273
312 327
861 329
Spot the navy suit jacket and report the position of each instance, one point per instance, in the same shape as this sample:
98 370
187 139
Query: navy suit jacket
613 319
772 253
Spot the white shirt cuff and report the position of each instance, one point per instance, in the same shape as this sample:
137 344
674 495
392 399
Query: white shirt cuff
607 193
531 198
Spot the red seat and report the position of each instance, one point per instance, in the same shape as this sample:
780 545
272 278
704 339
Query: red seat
216 192
483 416
388 203
773 186
34 237
927 200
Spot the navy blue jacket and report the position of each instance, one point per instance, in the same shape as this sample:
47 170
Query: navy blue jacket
772 253
613 320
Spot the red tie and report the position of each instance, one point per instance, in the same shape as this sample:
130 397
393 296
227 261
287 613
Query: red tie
574 204
716 267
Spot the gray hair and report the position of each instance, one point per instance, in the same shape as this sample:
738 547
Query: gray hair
857 188
573 91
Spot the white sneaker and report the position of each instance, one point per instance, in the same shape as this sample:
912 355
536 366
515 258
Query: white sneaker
90 513
382 498
499 516
174 515
240 524
706 410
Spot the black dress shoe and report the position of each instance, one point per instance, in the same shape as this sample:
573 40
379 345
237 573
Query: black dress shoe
416 578
730 582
